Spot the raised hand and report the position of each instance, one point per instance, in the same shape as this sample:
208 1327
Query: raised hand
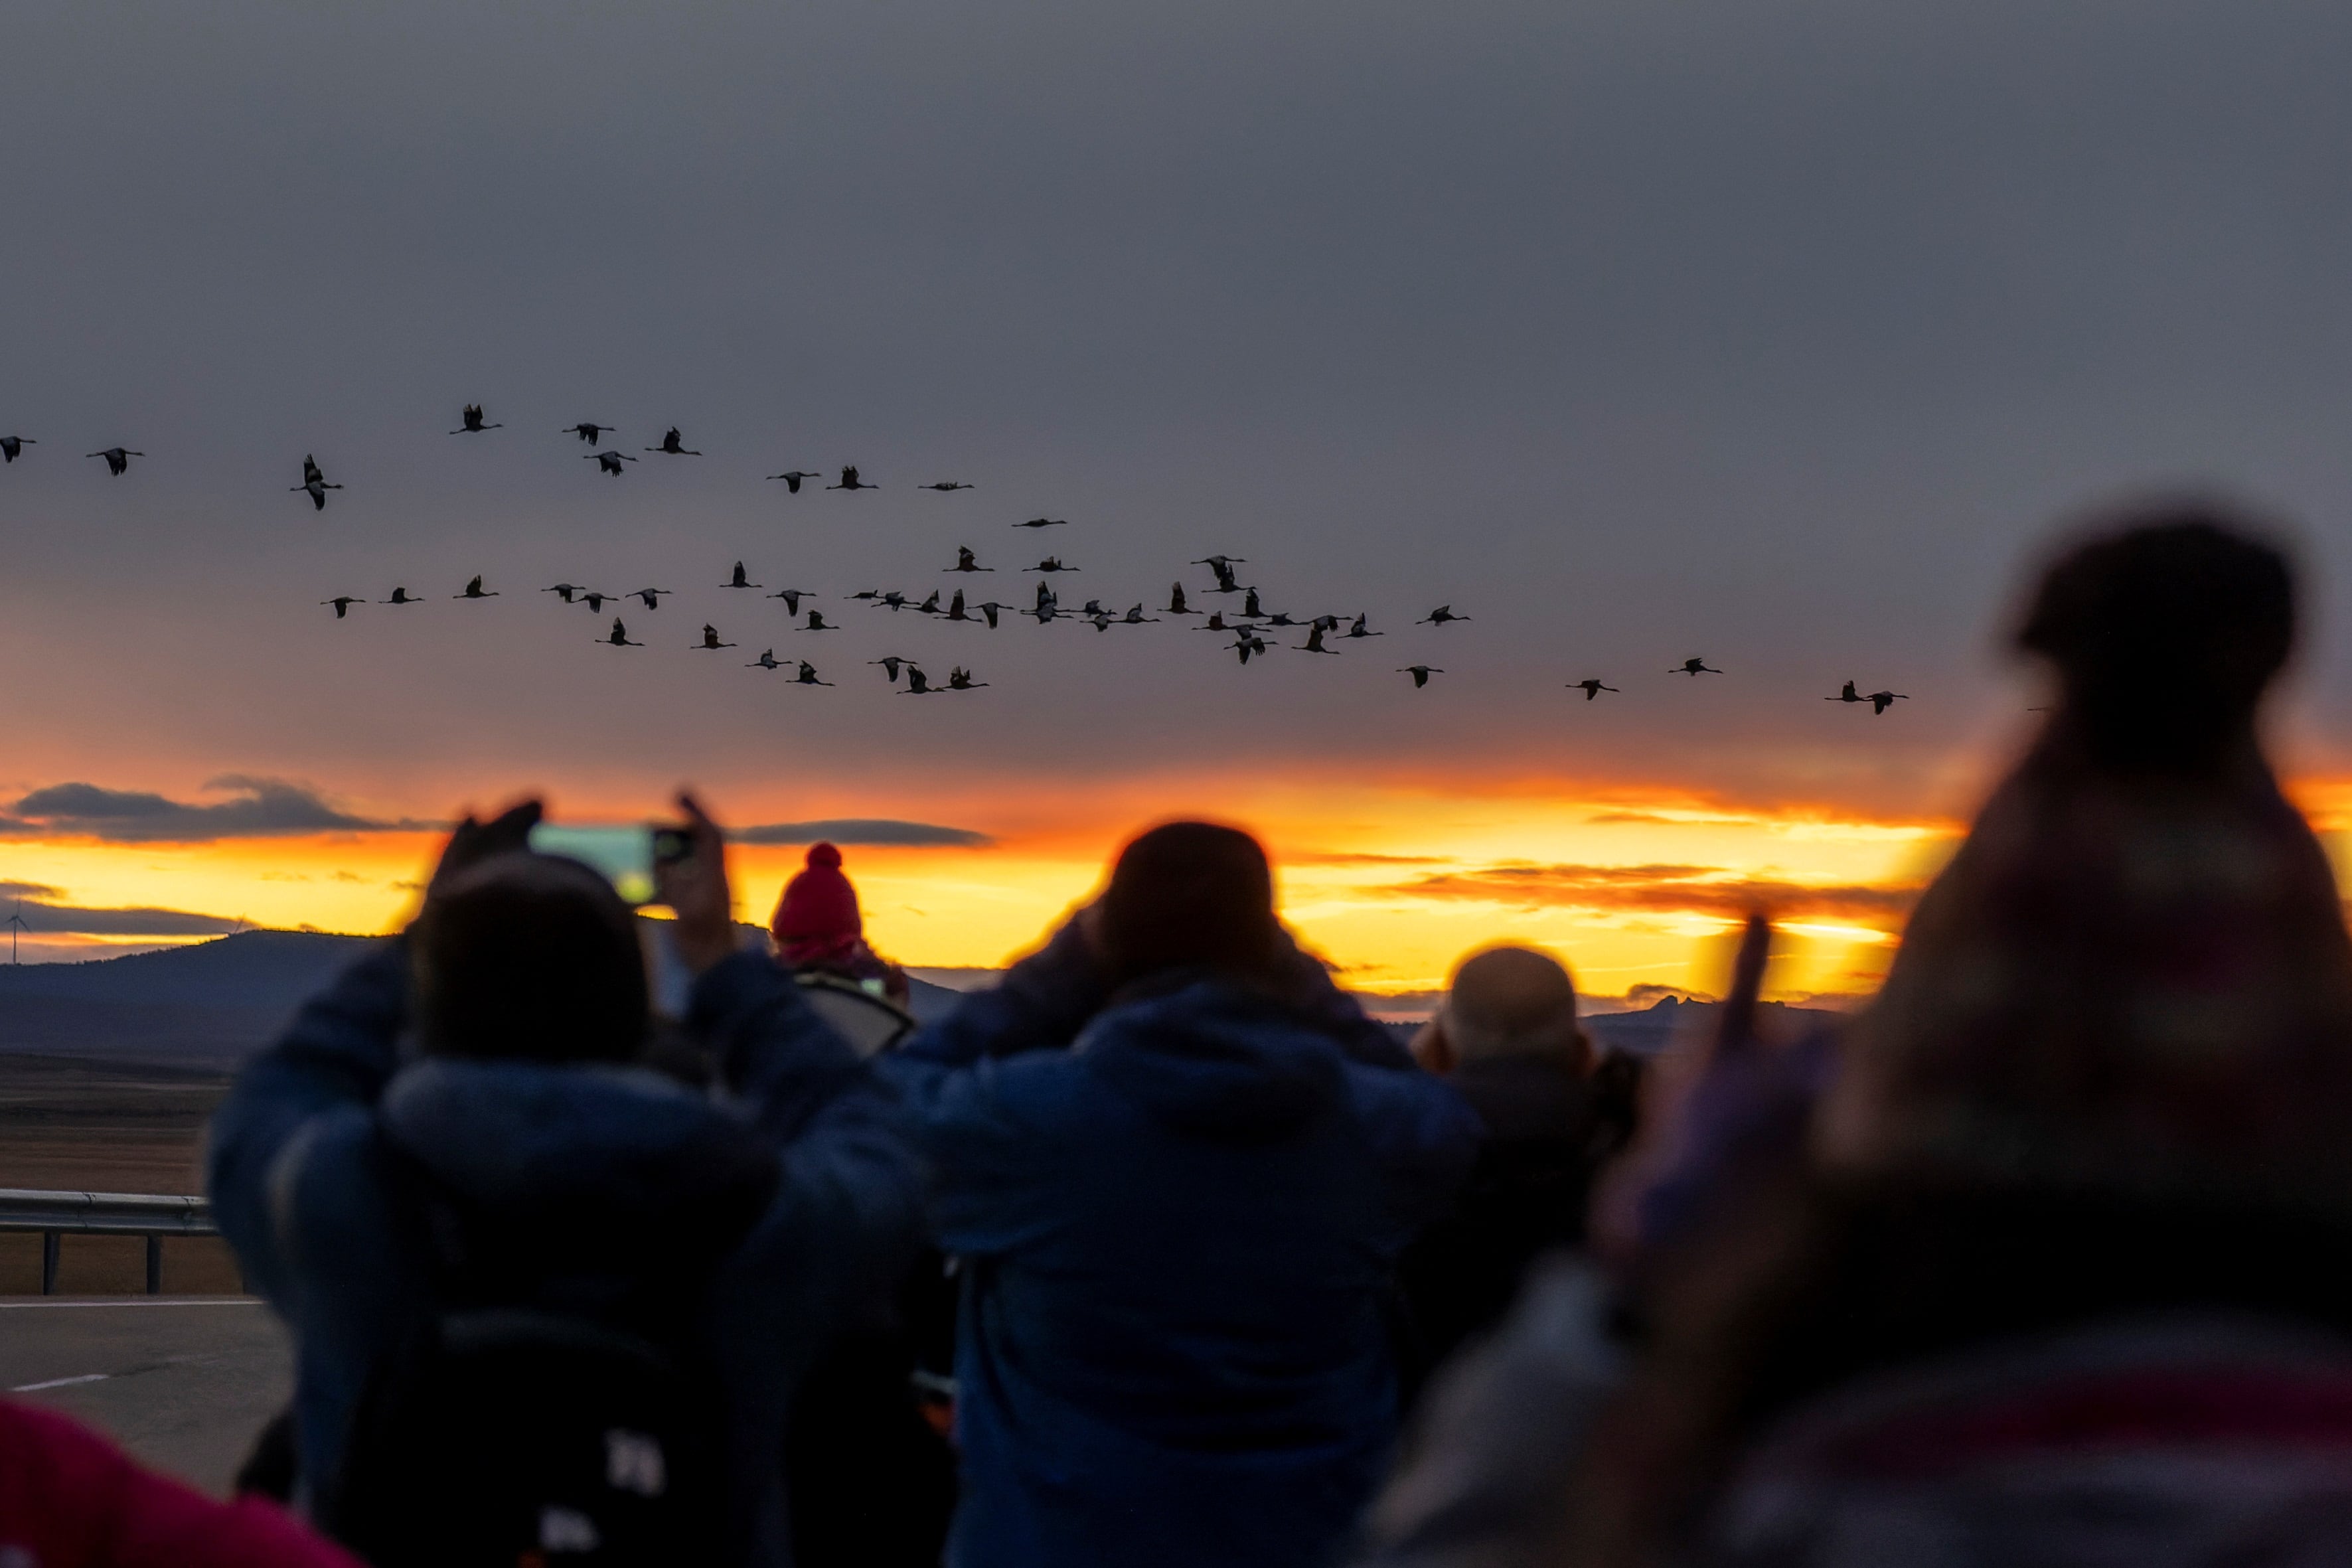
695 888
474 842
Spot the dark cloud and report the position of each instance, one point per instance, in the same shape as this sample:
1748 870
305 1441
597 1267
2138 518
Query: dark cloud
1353 858
45 919
1681 890
256 809
875 830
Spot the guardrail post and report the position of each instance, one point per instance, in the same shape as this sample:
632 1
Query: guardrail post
151 1216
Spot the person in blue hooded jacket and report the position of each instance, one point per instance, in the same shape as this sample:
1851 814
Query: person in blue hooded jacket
1178 1164
492 1048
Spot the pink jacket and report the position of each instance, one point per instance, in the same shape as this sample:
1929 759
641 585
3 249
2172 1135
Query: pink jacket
70 1499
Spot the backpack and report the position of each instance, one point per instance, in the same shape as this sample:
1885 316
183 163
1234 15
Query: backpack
511 1429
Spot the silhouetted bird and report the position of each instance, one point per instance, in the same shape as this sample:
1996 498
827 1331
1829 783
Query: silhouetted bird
918 683
11 444
1223 565
1176 605
967 562
1047 607
1420 673
1247 646
807 677
1438 617
673 445
1357 630
1136 618
955 610
117 458
587 430
1695 667
792 477
710 642
470 422
849 481
1044 522
1880 701
890 666
564 591
930 606
944 485
473 591
596 600
620 637
401 596
893 601
1093 607
767 660
343 602
1051 564
1591 689
610 462
740 579
652 596
960 680
1216 622
314 484
991 610
792 598
1314 643
1848 694
1250 609
816 623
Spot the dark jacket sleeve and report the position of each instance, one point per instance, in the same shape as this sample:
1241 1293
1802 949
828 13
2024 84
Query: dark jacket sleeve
1314 993
986 1157
1042 1004
851 1183
339 1052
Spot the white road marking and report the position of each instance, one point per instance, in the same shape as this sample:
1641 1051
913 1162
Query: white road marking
60 1382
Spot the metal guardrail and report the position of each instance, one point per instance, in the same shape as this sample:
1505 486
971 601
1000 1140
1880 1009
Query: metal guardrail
55 1214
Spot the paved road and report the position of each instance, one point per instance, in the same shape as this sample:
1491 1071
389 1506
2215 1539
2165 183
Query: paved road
183 1381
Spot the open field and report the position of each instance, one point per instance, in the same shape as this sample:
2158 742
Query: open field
98 1126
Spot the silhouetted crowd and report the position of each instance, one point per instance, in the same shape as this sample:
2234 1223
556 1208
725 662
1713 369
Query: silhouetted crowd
1160 1251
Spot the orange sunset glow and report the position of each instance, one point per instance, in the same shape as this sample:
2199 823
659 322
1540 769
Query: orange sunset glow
1392 885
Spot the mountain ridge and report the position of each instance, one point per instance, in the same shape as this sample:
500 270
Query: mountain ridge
210 1004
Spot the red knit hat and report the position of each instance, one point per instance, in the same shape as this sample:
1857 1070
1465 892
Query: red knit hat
819 906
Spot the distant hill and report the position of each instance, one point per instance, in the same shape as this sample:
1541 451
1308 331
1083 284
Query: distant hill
1651 1030
211 1003
214 1003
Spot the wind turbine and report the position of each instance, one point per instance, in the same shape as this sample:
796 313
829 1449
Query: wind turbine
16 926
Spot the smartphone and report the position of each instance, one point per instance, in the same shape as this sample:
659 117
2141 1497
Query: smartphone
627 855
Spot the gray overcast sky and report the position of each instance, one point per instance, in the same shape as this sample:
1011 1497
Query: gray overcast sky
1772 332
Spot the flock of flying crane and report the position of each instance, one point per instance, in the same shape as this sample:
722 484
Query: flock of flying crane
1246 625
